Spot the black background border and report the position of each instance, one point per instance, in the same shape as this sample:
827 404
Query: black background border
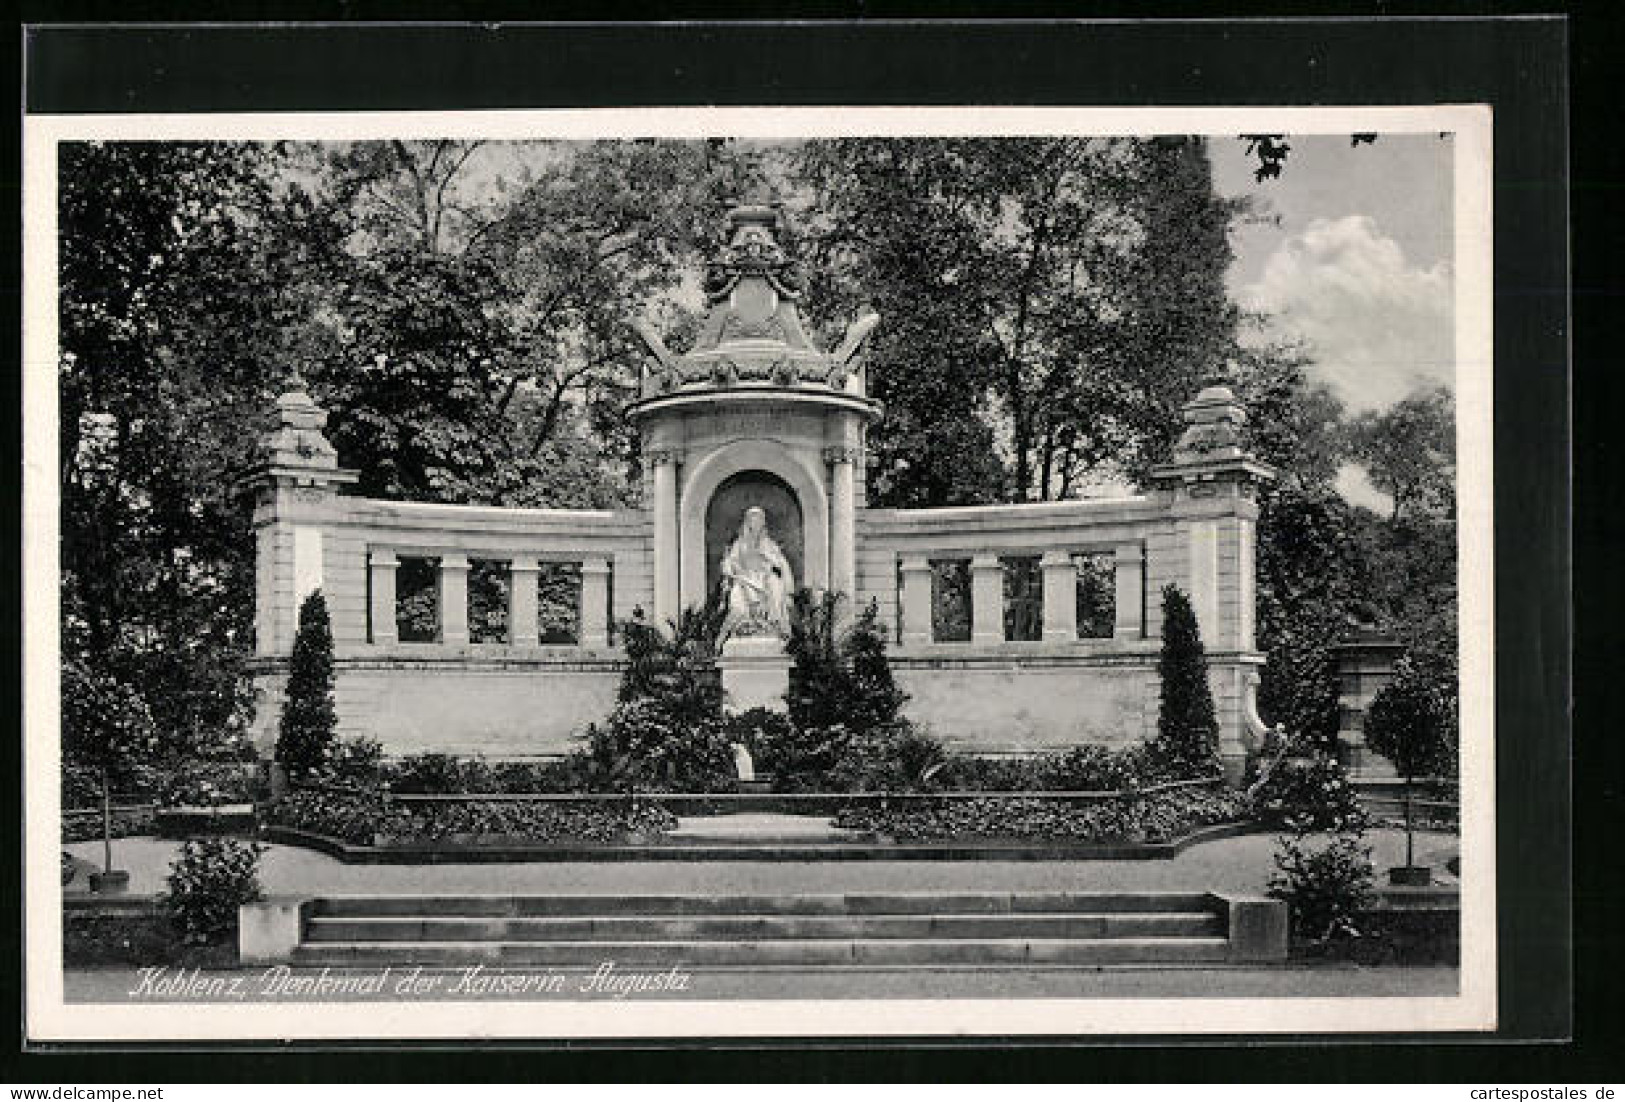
1518 66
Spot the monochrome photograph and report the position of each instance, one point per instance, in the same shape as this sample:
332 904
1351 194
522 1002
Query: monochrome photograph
760 571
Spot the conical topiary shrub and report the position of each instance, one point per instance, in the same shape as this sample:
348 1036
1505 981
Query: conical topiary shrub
309 719
1187 743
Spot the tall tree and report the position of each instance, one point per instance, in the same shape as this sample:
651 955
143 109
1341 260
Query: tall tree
1051 302
481 349
173 262
1409 452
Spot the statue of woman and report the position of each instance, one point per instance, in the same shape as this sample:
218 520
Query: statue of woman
758 578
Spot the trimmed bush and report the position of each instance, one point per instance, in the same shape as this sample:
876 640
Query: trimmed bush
1412 723
208 881
309 719
1187 742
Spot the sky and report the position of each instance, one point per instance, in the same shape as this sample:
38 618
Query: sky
1352 252
1349 251
1355 258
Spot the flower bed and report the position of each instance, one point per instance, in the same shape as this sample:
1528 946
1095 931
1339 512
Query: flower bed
366 818
1148 817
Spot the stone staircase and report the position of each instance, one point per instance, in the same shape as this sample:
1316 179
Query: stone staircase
904 929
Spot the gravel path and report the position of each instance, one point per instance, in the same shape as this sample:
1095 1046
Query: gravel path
1232 864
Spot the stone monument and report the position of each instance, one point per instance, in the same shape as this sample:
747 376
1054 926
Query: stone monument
754 459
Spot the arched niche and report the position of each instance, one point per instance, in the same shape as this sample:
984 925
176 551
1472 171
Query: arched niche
705 477
726 510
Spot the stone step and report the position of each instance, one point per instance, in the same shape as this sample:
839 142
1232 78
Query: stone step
389 928
848 903
882 952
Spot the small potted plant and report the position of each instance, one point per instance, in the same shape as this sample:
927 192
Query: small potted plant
1411 722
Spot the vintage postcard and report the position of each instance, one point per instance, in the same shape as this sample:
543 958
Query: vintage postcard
759 573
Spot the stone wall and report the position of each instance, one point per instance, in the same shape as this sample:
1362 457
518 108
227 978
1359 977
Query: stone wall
518 698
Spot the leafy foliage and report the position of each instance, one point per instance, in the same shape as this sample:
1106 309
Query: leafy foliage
895 758
1061 296
1080 769
667 729
1409 450
1306 789
208 880
309 719
364 818
530 821
1159 817
348 815
845 708
1412 721
355 761
210 784
1310 578
1326 887
106 725
1187 742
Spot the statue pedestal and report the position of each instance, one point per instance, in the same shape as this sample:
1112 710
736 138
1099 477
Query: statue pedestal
755 673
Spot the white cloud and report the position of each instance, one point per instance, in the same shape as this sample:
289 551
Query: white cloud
1378 326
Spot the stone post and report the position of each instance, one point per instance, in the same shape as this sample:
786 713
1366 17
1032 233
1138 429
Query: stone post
382 564
916 602
1060 597
522 604
987 599
1129 602
1210 490
1365 665
666 567
454 598
842 522
595 603
296 486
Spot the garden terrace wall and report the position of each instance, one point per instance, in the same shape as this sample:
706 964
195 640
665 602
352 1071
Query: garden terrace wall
995 695
1024 679
516 698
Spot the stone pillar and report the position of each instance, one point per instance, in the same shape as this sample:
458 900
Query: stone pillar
1129 602
296 485
1365 665
595 603
986 599
382 565
666 567
1060 597
454 599
916 599
843 571
1210 491
523 629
